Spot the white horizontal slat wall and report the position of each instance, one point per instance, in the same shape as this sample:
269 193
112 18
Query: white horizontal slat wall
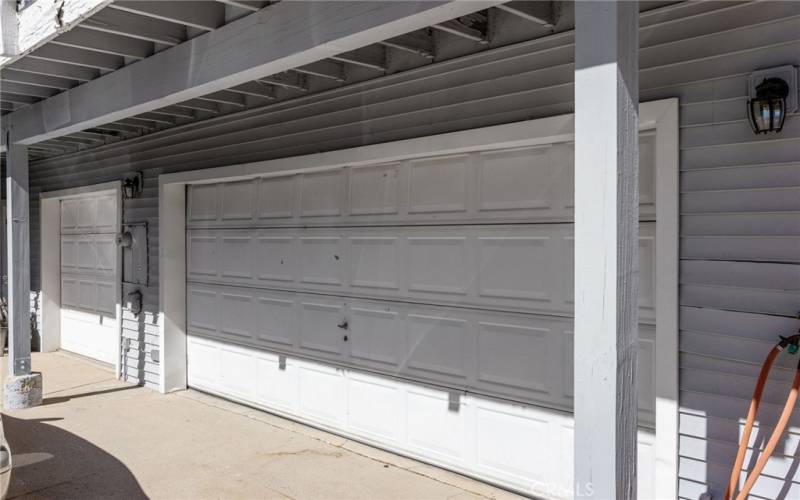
740 235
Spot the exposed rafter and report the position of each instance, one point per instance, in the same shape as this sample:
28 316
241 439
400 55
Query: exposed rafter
11 75
459 28
197 14
105 43
175 111
97 137
332 70
373 57
124 128
225 97
255 89
17 98
288 80
232 56
136 123
28 90
124 23
156 118
79 57
78 138
544 13
419 42
51 68
245 4
198 105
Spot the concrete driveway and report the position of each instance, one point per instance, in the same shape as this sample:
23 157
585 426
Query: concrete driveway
96 437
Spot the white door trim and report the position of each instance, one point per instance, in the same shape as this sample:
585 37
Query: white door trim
661 116
50 263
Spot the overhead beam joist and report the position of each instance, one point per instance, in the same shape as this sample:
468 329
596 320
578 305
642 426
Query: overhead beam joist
287 80
544 13
419 42
17 98
225 97
93 135
255 89
79 57
174 111
198 105
455 27
156 118
54 82
27 90
125 127
332 70
244 4
79 140
69 145
202 15
57 69
131 25
273 40
372 56
106 43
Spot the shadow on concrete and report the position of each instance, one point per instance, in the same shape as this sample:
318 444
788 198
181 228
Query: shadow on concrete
64 399
49 462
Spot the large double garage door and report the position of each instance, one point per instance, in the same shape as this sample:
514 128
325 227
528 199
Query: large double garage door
423 305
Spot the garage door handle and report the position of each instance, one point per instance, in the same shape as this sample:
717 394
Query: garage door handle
343 325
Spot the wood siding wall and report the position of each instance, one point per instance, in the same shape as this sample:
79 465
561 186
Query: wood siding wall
740 193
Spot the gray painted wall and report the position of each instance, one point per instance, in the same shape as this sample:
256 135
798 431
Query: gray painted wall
740 194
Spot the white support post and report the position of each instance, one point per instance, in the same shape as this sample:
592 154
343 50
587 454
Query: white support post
606 248
23 389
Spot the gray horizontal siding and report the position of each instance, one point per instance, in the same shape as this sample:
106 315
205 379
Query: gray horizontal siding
740 222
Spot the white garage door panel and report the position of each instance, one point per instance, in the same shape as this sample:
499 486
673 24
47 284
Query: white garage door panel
519 356
527 185
525 447
92 254
89 289
90 214
520 268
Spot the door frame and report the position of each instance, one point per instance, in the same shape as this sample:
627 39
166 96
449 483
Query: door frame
660 116
50 263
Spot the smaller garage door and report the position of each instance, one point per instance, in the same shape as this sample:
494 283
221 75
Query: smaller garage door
89 281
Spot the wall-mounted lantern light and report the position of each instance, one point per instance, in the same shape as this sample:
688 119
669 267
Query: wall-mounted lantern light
772 95
132 185
767 110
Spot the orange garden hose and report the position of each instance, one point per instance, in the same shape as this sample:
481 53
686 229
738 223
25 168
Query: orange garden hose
751 416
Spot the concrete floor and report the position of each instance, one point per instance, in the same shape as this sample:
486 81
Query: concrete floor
96 437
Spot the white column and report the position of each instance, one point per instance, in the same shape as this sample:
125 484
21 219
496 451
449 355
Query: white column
22 388
19 273
606 248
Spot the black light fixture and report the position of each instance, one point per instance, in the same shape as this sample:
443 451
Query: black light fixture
767 110
132 185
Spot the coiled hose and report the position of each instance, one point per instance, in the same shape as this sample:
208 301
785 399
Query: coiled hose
791 342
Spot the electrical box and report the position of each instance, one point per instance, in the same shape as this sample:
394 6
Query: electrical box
135 261
133 301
